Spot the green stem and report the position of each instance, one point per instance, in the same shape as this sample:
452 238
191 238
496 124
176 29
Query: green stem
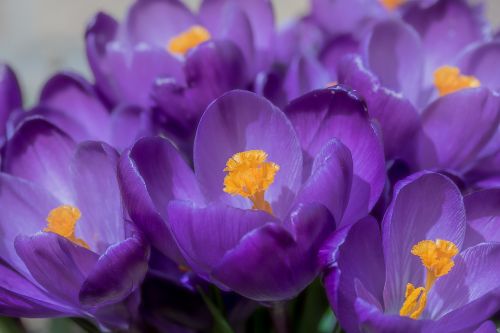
337 328
279 317
86 325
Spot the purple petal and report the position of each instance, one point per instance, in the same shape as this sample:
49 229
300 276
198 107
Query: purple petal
98 195
474 276
70 94
47 255
331 179
10 95
239 121
445 28
129 123
298 37
425 206
294 260
487 327
358 257
394 55
305 74
483 217
204 235
157 21
336 49
471 117
41 153
151 174
480 61
398 118
118 272
338 113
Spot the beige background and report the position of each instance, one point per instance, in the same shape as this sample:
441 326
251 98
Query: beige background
39 37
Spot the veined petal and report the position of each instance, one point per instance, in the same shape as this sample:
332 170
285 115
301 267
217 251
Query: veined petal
483 217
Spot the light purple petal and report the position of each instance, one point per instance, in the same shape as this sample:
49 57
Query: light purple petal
425 206
339 113
456 127
480 61
287 260
483 217
10 95
152 174
117 273
41 153
204 235
305 73
129 123
335 50
239 121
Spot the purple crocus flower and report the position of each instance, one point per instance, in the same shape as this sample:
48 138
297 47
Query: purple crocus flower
268 188
433 268
165 56
67 247
71 103
10 97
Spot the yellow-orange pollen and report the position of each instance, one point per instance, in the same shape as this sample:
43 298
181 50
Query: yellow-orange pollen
392 4
187 40
62 221
448 79
250 175
437 258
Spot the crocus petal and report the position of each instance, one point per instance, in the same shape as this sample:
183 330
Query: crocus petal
487 327
239 121
56 263
479 61
357 257
157 21
93 172
41 153
397 116
397 61
339 113
426 206
204 235
483 217
331 179
10 95
445 28
129 123
117 273
305 74
72 95
286 259
336 49
152 173
473 277
471 117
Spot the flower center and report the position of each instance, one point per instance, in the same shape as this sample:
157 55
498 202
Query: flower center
187 40
437 258
62 221
448 79
392 4
249 175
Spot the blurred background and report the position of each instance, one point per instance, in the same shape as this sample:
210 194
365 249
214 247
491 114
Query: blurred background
40 37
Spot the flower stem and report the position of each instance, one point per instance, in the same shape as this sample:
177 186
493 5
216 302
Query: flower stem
279 317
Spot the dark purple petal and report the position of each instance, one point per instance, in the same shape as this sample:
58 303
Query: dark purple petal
118 272
157 21
425 206
357 257
129 123
339 113
56 263
330 181
483 217
205 235
456 127
239 121
41 153
445 28
480 61
73 96
10 95
474 276
151 174
287 260
394 54
398 118
97 195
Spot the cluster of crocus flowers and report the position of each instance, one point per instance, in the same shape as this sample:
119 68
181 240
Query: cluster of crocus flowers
216 162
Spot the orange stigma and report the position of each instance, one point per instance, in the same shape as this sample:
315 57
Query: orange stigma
186 40
62 221
392 4
448 79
